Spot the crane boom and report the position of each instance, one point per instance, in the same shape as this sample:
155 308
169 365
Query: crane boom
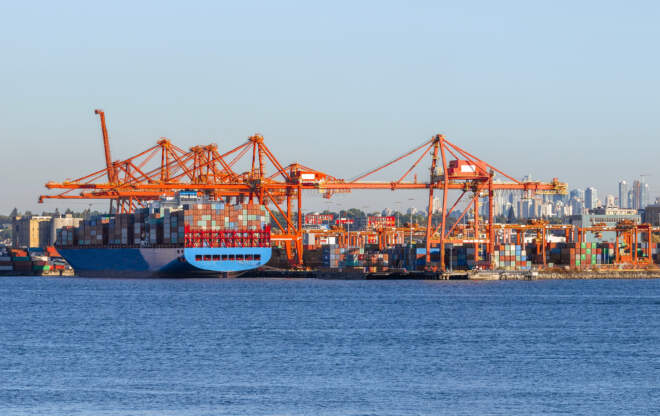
106 146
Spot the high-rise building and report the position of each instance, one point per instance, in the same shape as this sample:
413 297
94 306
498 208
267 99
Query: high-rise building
637 195
437 205
623 194
609 201
577 206
631 198
525 208
590 198
577 193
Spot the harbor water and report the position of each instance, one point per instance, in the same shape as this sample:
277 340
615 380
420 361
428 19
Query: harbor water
76 346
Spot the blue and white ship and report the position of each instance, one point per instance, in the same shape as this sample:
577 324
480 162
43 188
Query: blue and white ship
182 237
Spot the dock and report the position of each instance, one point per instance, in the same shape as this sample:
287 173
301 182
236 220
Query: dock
475 275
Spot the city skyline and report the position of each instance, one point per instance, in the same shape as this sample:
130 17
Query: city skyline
340 202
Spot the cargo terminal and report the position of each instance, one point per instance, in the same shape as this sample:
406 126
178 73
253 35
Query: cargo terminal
461 190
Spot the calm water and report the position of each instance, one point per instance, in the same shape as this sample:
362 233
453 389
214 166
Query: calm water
73 346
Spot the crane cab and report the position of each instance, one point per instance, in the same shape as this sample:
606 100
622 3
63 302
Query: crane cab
310 177
463 169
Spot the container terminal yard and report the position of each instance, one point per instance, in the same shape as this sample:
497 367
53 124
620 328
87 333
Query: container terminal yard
457 243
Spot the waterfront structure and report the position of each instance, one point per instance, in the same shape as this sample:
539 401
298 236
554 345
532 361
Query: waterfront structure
610 216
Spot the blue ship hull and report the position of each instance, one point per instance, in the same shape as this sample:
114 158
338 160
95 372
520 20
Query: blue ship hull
164 262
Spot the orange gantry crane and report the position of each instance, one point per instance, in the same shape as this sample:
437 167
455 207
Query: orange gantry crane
629 235
165 169
541 228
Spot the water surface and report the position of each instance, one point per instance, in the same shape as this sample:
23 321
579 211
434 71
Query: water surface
75 346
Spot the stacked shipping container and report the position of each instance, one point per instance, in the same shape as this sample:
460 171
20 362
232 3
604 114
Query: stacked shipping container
166 225
218 224
5 261
332 255
510 257
584 254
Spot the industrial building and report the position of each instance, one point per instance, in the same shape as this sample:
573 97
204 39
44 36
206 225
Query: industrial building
39 231
609 216
652 215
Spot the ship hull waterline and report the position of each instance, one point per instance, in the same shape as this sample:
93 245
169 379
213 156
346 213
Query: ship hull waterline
164 262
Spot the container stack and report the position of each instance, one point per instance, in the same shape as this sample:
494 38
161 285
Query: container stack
352 257
457 258
577 255
140 226
511 257
173 227
377 262
120 229
165 223
155 229
218 216
5 262
40 263
398 256
67 236
332 256
94 232
21 261
309 241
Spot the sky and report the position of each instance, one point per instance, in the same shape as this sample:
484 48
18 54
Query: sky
556 89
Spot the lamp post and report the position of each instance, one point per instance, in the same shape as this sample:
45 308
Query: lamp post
451 252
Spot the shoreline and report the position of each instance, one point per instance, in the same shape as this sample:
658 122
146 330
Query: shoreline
411 275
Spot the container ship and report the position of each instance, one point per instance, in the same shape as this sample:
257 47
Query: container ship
182 236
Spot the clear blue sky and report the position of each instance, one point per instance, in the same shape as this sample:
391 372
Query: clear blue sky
567 89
